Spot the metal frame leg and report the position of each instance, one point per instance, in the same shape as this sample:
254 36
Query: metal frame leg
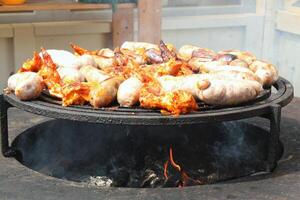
6 149
275 148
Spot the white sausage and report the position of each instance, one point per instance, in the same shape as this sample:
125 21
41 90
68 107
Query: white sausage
218 89
129 92
104 93
68 75
27 85
265 71
92 74
85 60
132 46
230 92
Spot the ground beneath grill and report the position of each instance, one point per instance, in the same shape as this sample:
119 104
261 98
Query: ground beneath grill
18 182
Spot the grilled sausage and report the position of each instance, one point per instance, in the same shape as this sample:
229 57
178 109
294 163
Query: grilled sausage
187 52
92 74
26 85
129 92
265 71
104 93
69 75
217 89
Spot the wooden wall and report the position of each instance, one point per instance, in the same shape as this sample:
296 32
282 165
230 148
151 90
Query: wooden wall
286 43
269 28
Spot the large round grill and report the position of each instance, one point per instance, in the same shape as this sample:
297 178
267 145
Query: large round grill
281 94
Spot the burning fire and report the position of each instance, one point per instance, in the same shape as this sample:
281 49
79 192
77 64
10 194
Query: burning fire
185 180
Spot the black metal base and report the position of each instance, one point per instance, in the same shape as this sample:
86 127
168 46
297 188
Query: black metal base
7 151
274 152
275 145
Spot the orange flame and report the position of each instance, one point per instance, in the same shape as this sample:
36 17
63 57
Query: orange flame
176 166
185 179
165 169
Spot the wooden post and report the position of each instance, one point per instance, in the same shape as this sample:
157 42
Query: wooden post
122 25
149 21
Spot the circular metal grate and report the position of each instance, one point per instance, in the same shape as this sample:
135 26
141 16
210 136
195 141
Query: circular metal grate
281 94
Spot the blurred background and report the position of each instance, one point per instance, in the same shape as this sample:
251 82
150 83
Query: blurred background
268 28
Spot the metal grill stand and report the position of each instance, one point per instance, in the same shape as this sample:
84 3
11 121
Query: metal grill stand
269 109
7 151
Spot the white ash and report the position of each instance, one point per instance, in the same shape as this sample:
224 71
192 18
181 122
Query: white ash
101 181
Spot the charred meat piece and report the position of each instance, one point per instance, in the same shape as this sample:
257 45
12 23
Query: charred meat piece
154 56
166 54
203 53
225 58
242 55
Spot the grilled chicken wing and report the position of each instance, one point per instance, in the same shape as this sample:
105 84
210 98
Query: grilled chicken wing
75 93
175 102
33 65
50 75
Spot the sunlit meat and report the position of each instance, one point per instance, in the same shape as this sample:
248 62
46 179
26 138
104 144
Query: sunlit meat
265 71
32 65
129 92
214 89
63 58
26 85
104 93
50 75
69 75
91 74
172 102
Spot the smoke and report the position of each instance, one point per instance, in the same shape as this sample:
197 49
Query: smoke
133 156
237 149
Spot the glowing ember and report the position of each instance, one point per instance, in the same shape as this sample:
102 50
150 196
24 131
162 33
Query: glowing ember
185 180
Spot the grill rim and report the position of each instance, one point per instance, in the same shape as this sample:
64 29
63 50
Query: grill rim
282 97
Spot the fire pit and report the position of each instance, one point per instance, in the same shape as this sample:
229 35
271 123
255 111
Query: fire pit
126 156
141 148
